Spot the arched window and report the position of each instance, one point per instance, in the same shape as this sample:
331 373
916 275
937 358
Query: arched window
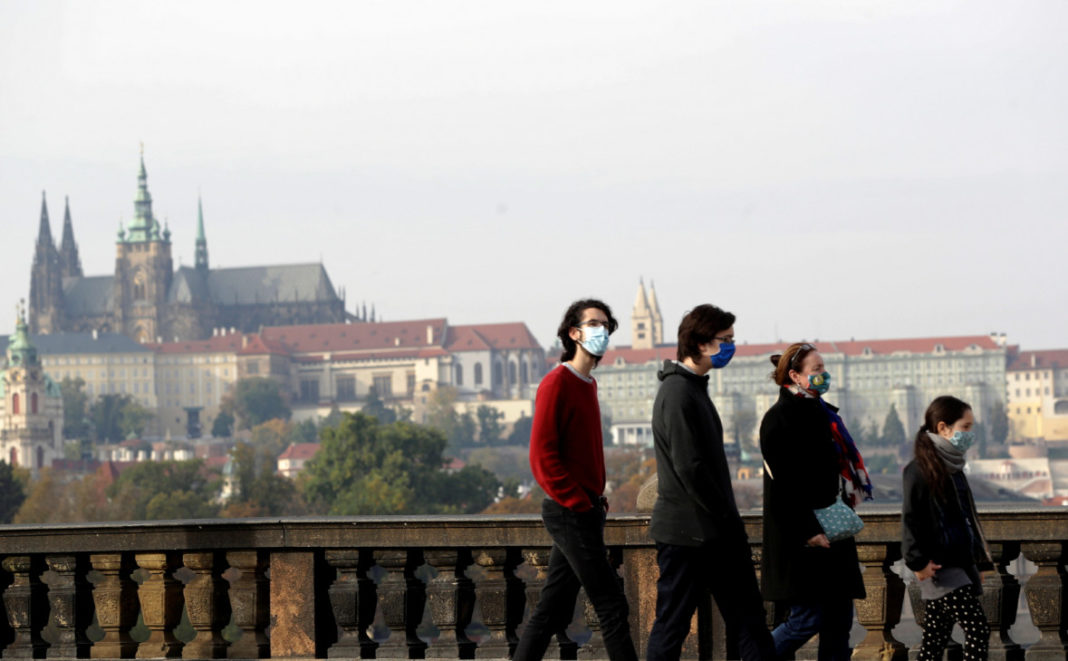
40 457
15 404
523 373
139 286
459 375
14 457
33 403
498 374
478 374
511 374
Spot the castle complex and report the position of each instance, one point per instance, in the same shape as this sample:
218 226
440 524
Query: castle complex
149 301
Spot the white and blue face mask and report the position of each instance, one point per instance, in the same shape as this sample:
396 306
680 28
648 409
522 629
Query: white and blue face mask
595 340
962 440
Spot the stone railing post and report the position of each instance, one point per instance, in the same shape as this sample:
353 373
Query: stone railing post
450 596
115 598
1045 600
880 612
27 607
639 584
491 594
249 604
352 600
71 602
161 605
538 559
401 602
1001 595
207 605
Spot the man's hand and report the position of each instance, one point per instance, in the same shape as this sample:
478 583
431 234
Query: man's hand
928 571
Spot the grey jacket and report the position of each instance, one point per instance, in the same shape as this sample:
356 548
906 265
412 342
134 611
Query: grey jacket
695 502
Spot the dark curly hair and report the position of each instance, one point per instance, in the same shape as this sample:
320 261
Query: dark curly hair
573 317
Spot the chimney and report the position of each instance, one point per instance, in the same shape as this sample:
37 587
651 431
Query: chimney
96 334
244 341
429 334
1034 360
396 341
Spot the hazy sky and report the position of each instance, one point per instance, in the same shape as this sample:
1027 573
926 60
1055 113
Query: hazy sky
824 169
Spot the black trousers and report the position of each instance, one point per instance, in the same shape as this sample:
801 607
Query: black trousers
961 606
688 574
578 558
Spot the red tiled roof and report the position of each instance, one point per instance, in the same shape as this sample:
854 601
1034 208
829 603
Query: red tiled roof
850 348
217 461
300 451
257 344
375 355
384 336
1045 359
219 344
475 337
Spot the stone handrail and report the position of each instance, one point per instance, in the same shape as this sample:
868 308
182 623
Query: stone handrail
417 587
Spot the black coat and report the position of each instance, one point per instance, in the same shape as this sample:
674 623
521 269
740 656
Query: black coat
795 438
935 522
695 502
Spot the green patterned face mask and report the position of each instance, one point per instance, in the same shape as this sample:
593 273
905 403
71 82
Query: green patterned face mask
963 440
820 383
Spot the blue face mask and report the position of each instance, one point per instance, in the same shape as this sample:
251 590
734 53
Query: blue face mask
595 340
820 383
723 356
962 440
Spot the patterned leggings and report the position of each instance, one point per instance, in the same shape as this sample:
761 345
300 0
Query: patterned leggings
960 606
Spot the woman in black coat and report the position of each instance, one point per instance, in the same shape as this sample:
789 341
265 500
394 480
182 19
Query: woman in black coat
809 459
941 539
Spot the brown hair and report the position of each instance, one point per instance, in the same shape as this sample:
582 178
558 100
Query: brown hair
790 359
700 326
947 409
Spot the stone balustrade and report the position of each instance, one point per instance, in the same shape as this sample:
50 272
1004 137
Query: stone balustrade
420 587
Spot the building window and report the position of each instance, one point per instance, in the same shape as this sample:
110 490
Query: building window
15 404
523 373
459 375
478 374
498 374
253 367
384 386
511 374
33 403
309 390
346 388
13 457
411 383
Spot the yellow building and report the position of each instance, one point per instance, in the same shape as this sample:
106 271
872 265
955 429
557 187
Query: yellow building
1036 384
192 379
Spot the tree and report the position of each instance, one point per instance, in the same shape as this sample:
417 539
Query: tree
75 408
258 489
142 490
304 431
12 494
116 416
257 400
134 418
272 437
999 423
893 430
223 425
521 431
489 425
376 409
459 429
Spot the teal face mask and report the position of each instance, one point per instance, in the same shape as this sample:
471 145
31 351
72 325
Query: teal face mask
962 440
820 383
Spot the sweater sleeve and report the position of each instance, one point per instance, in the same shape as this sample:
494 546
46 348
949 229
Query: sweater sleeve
917 529
689 450
545 455
779 452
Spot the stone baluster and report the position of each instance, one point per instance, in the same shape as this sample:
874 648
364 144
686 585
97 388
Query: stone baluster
538 559
1001 595
450 596
250 604
115 598
1046 601
27 607
517 599
161 605
401 596
491 594
352 598
880 612
70 599
207 604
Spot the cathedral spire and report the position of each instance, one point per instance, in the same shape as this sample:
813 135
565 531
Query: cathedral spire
202 241
69 260
144 226
641 320
658 320
44 229
46 278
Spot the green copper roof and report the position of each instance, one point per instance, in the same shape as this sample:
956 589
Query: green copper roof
19 350
144 226
200 220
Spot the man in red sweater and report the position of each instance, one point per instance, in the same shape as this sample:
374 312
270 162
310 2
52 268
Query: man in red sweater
567 458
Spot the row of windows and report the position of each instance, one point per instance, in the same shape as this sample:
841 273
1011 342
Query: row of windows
521 375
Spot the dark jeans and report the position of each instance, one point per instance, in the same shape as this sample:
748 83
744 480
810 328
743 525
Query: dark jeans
578 558
688 574
831 619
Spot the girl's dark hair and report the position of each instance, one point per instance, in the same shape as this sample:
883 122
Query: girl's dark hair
573 317
700 326
790 359
947 409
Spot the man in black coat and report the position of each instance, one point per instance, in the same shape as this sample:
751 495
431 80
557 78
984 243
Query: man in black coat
701 545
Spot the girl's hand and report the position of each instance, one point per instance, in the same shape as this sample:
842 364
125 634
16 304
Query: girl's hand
928 571
819 540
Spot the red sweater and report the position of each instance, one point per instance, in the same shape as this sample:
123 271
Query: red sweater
566 450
